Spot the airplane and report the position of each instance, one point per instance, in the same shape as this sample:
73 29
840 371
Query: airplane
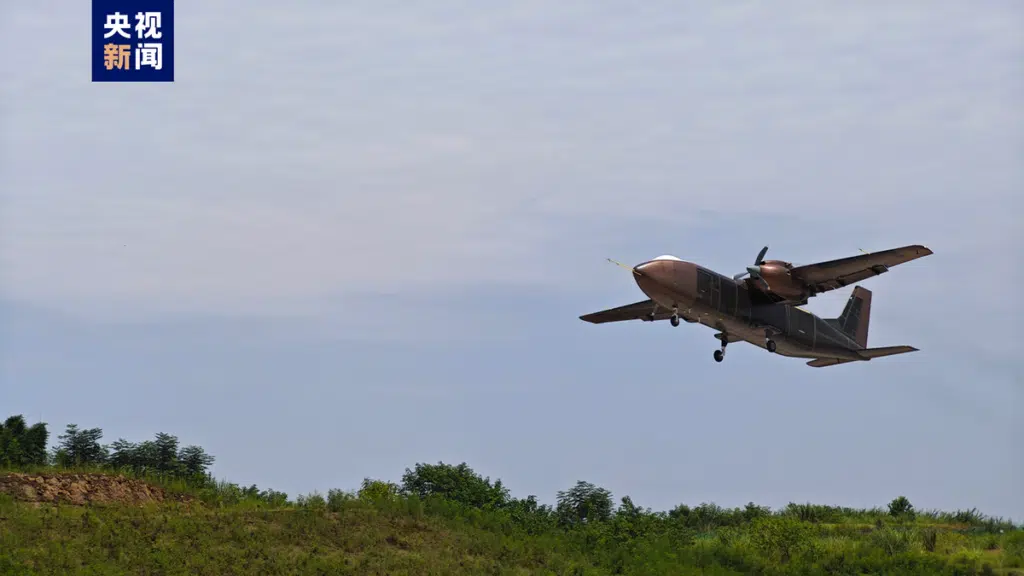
764 308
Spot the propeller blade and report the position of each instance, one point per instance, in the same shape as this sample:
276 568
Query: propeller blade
754 271
760 256
740 275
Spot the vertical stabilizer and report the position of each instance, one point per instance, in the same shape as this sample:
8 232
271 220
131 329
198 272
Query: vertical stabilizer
856 316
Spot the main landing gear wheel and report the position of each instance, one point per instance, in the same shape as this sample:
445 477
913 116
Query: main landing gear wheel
768 342
720 354
674 320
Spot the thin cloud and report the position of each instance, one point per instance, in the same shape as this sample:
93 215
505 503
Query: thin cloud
370 151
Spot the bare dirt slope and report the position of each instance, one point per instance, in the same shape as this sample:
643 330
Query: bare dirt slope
80 489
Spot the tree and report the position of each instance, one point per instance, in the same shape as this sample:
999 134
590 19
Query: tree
160 455
22 445
631 521
139 458
535 518
80 447
901 507
166 453
627 509
33 444
752 512
194 460
456 483
13 427
584 503
122 455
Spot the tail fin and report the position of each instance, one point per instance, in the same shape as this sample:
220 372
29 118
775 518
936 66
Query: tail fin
856 316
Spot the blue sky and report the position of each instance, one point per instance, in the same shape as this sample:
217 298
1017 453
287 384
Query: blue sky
352 238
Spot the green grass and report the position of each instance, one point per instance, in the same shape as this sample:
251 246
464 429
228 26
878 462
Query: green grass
239 531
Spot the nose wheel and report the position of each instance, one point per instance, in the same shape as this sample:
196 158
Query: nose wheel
768 342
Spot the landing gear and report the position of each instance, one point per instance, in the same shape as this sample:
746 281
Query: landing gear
768 342
674 320
720 354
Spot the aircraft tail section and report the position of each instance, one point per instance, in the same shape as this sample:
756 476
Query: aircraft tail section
856 316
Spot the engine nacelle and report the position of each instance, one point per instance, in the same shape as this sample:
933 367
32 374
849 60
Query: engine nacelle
775 273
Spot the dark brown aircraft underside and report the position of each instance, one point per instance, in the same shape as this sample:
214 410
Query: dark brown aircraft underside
747 310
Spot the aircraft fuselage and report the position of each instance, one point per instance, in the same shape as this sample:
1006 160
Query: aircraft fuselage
701 295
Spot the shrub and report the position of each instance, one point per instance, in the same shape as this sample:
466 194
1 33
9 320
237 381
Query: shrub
779 537
901 507
894 541
336 499
375 490
1013 549
929 538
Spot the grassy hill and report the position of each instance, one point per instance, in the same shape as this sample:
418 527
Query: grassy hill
64 522
153 508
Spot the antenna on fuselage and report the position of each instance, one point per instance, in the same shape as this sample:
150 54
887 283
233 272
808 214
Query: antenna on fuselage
621 265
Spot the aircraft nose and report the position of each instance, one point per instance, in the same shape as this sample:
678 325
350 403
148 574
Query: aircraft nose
676 276
655 270
649 269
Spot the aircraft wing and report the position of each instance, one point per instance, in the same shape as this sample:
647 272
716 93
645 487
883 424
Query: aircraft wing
824 276
634 311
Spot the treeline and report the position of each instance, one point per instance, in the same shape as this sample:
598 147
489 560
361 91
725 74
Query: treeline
23 446
586 521
628 539
587 504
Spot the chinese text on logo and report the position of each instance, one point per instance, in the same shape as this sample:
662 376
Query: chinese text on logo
133 40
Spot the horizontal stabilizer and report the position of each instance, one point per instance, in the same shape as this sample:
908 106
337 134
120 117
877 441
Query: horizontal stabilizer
822 362
869 353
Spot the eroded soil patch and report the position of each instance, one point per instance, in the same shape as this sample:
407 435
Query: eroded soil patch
81 489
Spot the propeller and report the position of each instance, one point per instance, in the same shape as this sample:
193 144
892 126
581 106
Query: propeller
755 270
